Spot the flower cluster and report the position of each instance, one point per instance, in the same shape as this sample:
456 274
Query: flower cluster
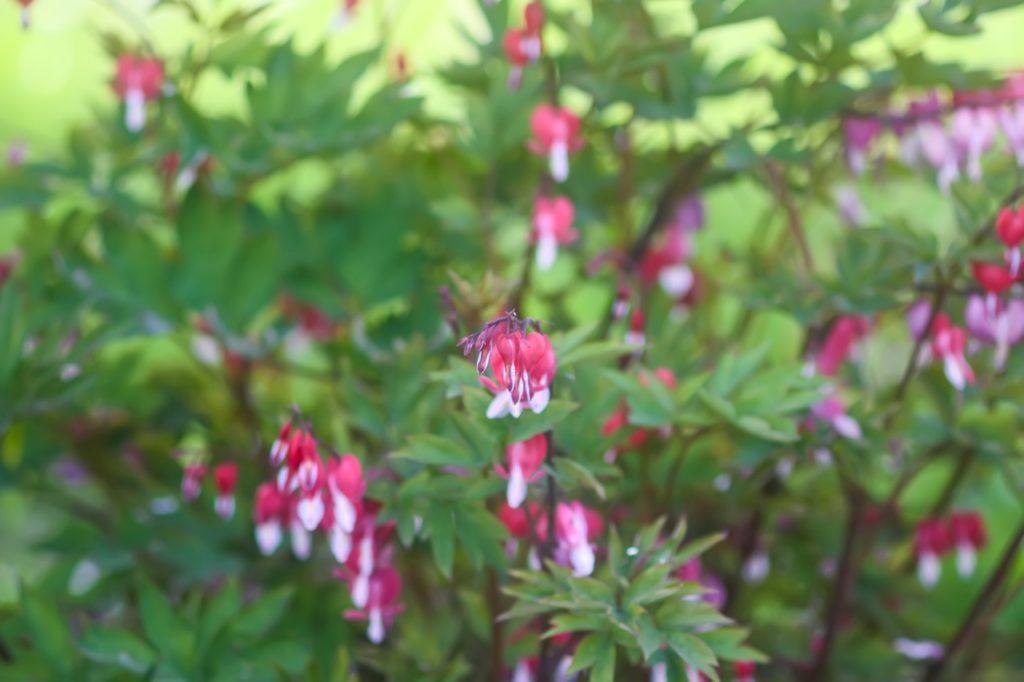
666 260
523 46
963 531
225 478
521 363
576 526
951 136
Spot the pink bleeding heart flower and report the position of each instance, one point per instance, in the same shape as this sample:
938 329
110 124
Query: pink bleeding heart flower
844 334
972 131
384 588
997 323
744 671
225 477
555 135
931 542
860 134
949 343
270 512
993 278
524 461
346 487
665 263
832 411
279 448
1010 228
552 226
192 480
967 534
138 80
575 527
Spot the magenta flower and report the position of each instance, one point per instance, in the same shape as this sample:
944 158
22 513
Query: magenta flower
832 411
860 134
552 226
967 533
191 481
524 461
384 587
995 322
138 80
522 367
948 344
270 513
972 130
575 526
842 336
931 542
555 134
225 477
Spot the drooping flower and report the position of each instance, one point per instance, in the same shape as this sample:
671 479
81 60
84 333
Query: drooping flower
860 134
26 14
948 344
931 542
635 335
346 11
522 365
832 411
967 534
552 226
1011 120
972 130
993 278
279 448
744 671
192 480
844 334
138 81
524 461
270 513
665 263
384 587
574 529
1010 228
346 486
225 476
555 135
938 150
1000 324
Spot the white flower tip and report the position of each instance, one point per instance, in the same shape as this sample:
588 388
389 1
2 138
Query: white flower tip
676 280
516 492
341 545
310 511
360 591
302 543
966 560
547 252
375 630
268 537
225 506
558 161
134 110
928 570
539 400
582 559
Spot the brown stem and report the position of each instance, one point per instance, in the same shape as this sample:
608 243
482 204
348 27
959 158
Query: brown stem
793 220
548 659
845 578
497 626
973 623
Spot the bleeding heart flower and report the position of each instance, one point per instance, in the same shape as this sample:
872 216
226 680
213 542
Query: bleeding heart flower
138 80
949 343
270 512
555 134
552 226
191 481
967 534
524 461
860 134
225 476
997 323
993 278
844 334
931 542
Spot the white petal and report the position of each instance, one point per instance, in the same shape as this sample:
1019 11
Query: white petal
522 673
756 568
918 650
310 511
360 591
676 280
366 558
928 569
302 542
635 339
954 373
499 406
847 426
582 559
659 673
547 251
341 544
225 506
344 513
134 110
539 400
268 537
558 161
516 492
966 560
375 630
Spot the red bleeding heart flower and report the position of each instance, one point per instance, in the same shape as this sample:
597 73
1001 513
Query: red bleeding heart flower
138 80
931 542
524 460
552 226
967 534
225 477
993 278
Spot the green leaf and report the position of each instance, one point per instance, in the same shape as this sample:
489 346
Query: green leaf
588 650
440 451
530 424
440 525
604 665
570 468
163 628
119 647
218 612
693 651
258 617
49 633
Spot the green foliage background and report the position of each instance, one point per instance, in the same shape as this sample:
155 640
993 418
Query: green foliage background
332 184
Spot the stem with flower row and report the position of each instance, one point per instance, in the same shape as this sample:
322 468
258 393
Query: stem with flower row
974 622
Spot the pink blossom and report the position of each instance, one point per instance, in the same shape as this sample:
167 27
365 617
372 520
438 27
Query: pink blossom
191 481
845 332
555 134
973 130
573 532
1010 228
384 587
270 512
524 461
552 226
225 476
665 262
948 344
832 411
860 134
967 535
1011 120
996 322
522 366
138 80
931 542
